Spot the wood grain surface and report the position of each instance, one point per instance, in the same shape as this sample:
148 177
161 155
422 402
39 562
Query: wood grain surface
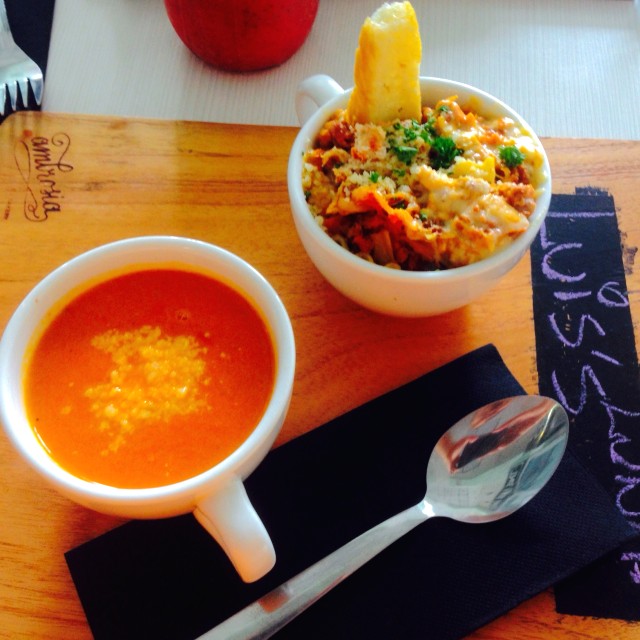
70 183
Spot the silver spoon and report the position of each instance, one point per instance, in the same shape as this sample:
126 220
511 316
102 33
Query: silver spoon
485 467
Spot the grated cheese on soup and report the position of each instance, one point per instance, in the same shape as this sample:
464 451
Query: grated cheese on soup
153 378
441 193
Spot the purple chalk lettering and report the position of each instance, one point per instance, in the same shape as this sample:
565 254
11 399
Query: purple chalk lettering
581 214
606 358
550 273
620 298
586 371
583 319
571 295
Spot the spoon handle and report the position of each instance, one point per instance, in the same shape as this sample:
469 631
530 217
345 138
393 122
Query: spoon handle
273 611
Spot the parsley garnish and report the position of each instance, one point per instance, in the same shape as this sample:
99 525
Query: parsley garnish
511 156
405 154
374 176
410 134
429 130
443 152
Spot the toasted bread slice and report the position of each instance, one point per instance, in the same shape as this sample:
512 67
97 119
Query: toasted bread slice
387 67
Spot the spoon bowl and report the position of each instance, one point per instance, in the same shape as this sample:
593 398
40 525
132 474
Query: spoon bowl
485 467
493 461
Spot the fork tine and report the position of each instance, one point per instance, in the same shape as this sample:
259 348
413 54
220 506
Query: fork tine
23 90
3 97
12 87
37 85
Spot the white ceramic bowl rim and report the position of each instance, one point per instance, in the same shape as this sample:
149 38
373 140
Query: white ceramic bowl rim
275 316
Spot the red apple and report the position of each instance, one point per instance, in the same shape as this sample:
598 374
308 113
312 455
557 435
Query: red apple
242 35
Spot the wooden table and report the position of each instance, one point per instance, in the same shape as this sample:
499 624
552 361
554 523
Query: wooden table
94 180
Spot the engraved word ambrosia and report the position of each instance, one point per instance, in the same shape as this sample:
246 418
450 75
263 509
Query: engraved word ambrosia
40 160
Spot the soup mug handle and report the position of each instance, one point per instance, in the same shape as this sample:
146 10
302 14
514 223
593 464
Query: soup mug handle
313 92
230 518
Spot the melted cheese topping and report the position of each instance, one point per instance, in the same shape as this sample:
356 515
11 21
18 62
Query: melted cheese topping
433 193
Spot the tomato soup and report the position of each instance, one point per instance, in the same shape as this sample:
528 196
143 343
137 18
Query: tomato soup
149 378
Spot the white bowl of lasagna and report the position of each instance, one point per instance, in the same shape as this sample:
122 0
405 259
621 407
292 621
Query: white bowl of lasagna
416 217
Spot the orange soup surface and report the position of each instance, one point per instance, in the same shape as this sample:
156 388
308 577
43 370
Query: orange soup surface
149 378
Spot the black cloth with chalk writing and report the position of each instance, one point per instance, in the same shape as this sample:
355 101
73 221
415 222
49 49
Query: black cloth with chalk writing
586 356
169 580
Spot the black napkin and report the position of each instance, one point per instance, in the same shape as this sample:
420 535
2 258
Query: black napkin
168 578
30 22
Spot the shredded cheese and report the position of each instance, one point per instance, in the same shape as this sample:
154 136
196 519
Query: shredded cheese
154 378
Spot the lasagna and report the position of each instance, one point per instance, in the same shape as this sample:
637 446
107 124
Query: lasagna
440 192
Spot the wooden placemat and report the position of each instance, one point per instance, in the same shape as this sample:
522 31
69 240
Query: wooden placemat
70 183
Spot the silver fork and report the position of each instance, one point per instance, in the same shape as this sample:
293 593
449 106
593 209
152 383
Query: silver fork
17 69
